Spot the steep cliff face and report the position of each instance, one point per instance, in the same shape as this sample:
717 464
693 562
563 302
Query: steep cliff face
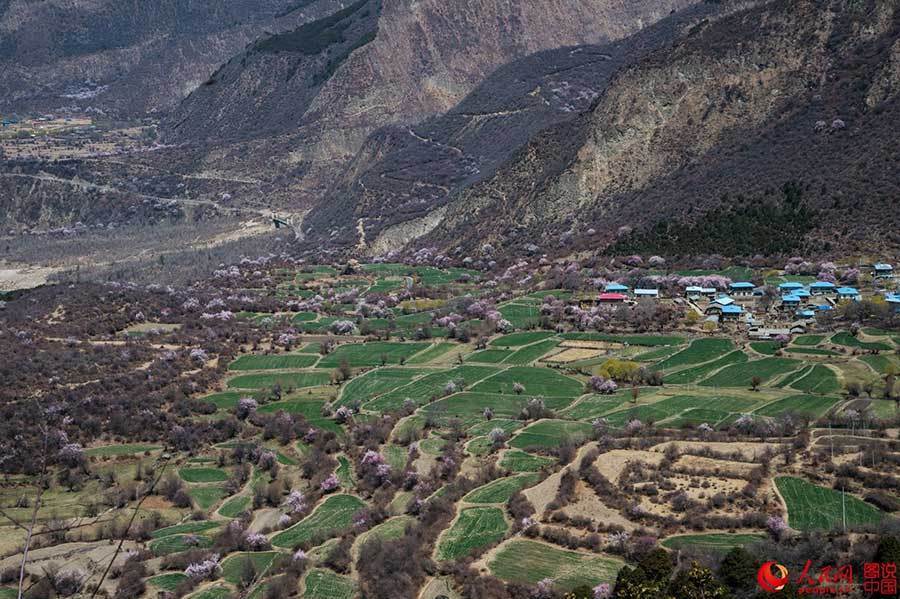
783 91
405 171
425 58
128 57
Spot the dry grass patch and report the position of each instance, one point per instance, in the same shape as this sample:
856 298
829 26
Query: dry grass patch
612 463
573 355
726 467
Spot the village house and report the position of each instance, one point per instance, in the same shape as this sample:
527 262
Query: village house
883 271
767 333
893 300
790 302
848 293
731 312
650 293
742 289
693 292
616 288
790 287
822 288
606 299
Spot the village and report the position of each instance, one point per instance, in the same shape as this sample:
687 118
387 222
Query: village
764 310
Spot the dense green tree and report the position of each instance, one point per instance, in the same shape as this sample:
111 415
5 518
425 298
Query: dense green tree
738 569
697 582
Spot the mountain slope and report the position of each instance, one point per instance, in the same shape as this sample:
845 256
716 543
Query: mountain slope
405 171
128 57
743 104
425 57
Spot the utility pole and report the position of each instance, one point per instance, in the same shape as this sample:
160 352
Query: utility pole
844 508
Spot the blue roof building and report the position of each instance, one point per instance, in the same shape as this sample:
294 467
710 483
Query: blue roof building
883 270
731 311
616 288
742 288
790 300
806 314
646 292
802 293
789 287
822 287
848 293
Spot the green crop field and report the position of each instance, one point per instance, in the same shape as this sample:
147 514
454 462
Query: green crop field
519 339
294 380
881 364
489 356
124 449
192 527
375 382
423 389
699 351
501 489
811 507
206 497
475 527
432 353
522 316
846 339
233 565
658 354
394 528
167 582
741 375
811 405
273 362
811 351
528 562
551 433
536 380
234 506
469 407
203 475
690 375
640 340
808 339
516 460
225 400
311 409
177 543
325 584
592 406
530 353
484 427
767 348
331 517
301 317
375 353
682 409
712 543
219 591
820 379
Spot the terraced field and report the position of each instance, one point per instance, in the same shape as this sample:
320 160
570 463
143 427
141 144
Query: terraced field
715 543
273 362
474 527
325 584
377 353
329 518
552 433
741 375
516 460
694 374
537 381
234 564
813 406
286 380
820 379
528 562
811 507
500 490
376 382
429 386
520 339
699 351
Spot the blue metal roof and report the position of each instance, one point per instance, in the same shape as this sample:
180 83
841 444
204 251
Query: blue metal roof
732 310
742 285
822 285
790 299
848 291
616 287
824 307
791 285
883 266
806 313
801 293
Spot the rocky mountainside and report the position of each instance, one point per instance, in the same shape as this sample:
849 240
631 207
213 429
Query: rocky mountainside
127 58
298 106
784 112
